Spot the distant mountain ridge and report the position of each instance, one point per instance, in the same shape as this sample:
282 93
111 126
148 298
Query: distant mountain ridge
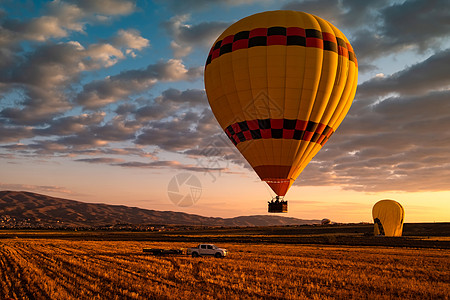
32 208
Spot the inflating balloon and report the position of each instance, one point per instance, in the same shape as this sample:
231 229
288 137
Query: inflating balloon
280 83
388 216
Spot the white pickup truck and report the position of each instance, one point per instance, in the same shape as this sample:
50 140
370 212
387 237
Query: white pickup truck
207 249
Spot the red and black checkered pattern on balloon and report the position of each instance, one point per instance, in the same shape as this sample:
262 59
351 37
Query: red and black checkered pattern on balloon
279 129
287 36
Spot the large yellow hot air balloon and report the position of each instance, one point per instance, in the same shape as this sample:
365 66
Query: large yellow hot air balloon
388 216
279 84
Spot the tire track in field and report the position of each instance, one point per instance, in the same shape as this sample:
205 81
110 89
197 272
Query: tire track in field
209 287
6 278
84 273
45 265
107 263
130 261
127 261
22 288
125 265
69 276
18 287
67 269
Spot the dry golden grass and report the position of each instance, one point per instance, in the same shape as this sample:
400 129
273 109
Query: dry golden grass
63 269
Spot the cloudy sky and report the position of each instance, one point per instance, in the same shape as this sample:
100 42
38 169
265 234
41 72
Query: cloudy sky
103 101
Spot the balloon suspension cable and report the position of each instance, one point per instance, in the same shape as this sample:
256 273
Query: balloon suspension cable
279 198
269 190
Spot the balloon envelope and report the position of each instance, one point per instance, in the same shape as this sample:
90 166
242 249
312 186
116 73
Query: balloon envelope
325 222
388 216
280 83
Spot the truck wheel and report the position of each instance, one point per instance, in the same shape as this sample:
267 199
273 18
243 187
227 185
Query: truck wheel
218 255
194 254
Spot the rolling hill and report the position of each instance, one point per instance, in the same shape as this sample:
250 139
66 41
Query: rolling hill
22 208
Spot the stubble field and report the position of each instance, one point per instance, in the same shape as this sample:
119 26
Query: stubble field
55 268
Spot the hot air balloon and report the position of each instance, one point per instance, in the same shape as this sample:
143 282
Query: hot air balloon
280 83
325 222
388 216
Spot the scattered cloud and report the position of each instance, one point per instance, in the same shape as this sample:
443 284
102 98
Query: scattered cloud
130 40
44 77
107 7
186 37
195 5
401 27
380 28
344 14
101 160
116 130
99 93
170 164
60 18
430 74
36 188
186 131
71 124
168 104
391 144
10 134
189 97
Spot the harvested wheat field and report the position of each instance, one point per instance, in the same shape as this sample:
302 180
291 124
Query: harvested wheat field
68 269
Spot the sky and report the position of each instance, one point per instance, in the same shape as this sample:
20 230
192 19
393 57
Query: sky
103 101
